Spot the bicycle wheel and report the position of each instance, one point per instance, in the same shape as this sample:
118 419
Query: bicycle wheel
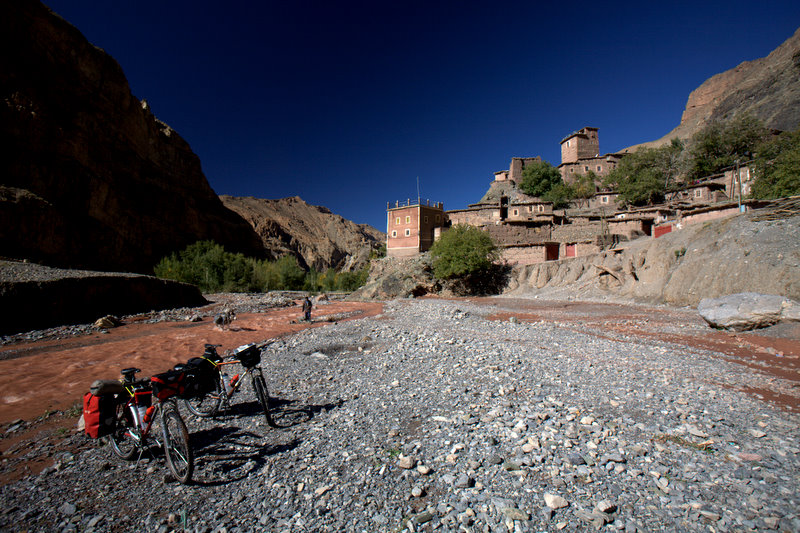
125 439
207 405
179 455
263 397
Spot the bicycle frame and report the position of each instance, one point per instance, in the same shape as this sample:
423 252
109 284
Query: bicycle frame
131 406
132 437
247 371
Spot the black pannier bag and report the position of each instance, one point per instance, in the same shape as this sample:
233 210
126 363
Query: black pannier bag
168 384
202 377
249 355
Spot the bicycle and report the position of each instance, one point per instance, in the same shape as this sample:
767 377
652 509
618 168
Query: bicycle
136 410
249 357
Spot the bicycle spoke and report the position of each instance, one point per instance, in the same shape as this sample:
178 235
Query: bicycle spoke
178 453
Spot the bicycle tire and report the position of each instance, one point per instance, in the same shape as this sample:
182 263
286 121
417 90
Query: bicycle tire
125 438
177 451
207 405
263 397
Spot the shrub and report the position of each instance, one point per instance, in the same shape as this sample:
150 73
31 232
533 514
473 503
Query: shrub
462 251
777 167
539 177
208 266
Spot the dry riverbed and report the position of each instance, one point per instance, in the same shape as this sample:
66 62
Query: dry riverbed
481 414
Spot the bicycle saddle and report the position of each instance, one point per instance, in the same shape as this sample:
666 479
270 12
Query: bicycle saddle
130 373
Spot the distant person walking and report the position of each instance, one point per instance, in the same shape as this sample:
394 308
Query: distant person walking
307 309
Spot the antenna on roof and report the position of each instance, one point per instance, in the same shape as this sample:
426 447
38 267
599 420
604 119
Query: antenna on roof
418 196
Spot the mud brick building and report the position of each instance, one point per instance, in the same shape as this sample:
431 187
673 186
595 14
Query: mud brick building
529 230
580 154
412 226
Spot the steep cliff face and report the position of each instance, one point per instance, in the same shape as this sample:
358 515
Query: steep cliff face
317 237
767 88
89 177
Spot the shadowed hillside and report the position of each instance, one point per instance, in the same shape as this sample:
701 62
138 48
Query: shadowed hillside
89 177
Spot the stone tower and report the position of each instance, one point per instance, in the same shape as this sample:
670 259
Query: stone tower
580 145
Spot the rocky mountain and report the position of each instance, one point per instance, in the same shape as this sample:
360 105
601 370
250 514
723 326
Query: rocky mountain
317 237
89 177
767 88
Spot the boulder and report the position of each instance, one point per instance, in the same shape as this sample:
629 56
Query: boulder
747 310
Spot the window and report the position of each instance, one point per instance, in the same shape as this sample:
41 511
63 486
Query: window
568 143
530 209
599 168
394 233
540 208
408 220
516 212
698 193
604 199
397 221
408 232
437 218
426 219
586 168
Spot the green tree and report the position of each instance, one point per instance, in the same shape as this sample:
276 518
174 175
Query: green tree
207 265
327 281
462 251
539 177
290 275
639 178
720 144
777 167
585 185
560 195
350 281
671 162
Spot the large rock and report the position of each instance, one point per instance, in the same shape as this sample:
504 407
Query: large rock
747 310
89 177
393 277
707 260
314 235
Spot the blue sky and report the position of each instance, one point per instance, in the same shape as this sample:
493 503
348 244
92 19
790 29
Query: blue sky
347 103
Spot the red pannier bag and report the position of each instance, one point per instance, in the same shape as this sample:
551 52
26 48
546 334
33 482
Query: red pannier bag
99 416
168 384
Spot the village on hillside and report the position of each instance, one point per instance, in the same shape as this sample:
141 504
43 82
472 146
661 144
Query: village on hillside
530 230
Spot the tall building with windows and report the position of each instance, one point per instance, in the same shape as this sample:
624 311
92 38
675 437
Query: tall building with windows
580 154
412 226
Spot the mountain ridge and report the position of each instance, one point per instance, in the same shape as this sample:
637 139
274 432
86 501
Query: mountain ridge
767 88
317 237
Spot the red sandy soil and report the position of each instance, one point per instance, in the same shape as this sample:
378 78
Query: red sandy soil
43 382
53 375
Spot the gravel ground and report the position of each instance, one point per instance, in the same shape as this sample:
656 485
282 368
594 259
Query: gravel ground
432 417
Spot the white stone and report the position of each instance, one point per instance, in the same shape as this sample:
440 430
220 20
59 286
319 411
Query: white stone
554 501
